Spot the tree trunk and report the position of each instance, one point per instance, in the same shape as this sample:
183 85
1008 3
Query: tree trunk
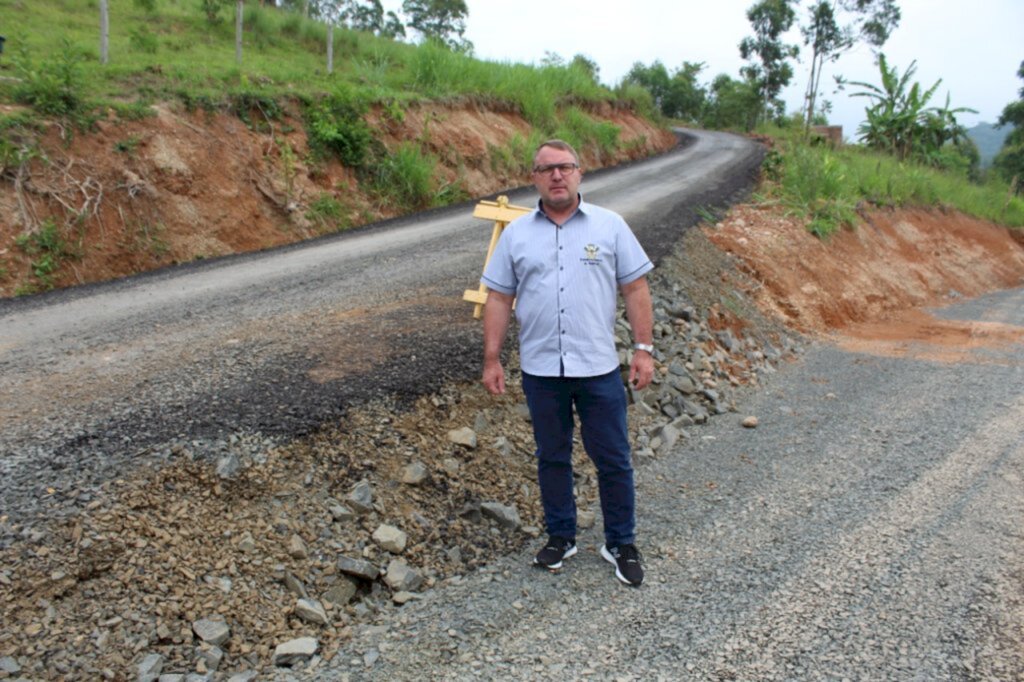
239 12
104 32
330 48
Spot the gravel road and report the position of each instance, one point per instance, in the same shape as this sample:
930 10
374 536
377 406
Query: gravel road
869 528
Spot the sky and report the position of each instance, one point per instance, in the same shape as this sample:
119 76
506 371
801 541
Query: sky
974 47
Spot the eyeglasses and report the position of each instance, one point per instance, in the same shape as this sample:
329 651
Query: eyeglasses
563 168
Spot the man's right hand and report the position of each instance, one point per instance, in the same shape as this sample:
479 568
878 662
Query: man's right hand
494 377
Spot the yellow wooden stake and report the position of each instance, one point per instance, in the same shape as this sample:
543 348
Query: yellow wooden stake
502 213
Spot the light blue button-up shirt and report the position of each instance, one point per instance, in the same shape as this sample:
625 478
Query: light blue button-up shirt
566 280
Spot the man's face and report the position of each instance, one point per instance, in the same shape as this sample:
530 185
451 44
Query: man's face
557 188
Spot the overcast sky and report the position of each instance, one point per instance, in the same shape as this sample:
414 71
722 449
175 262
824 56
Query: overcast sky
975 47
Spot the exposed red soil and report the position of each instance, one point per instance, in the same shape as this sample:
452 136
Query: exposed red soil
868 284
133 196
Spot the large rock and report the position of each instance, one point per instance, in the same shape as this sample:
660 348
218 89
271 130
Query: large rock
341 592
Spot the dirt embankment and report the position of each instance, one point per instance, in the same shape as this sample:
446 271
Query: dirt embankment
867 285
134 196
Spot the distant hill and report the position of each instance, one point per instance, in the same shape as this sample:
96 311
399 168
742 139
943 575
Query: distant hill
989 140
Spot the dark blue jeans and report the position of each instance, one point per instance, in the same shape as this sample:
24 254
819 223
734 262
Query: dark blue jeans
600 403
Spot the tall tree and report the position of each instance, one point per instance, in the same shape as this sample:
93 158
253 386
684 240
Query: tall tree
869 21
440 20
770 69
1010 159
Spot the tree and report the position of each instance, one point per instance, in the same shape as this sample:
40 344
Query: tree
1010 159
676 94
211 9
369 16
870 21
440 20
900 122
731 104
769 70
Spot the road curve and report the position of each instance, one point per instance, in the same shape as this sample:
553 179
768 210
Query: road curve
280 342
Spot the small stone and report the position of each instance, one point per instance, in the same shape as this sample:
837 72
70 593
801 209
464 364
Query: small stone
244 676
390 538
297 548
586 519
465 437
414 474
311 611
341 592
212 630
150 668
750 422
505 516
451 466
358 567
341 513
9 665
404 597
294 585
361 497
228 466
401 577
247 543
295 651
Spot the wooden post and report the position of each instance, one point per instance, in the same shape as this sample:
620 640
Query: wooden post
330 47
104 32
502 213
239 13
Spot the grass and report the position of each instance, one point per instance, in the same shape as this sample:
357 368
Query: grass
827 185
175 53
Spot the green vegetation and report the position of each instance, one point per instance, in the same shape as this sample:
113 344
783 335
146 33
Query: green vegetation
828 185
327 213
47 248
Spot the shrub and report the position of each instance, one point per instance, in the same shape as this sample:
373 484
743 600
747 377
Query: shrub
54 88
335 126
403 179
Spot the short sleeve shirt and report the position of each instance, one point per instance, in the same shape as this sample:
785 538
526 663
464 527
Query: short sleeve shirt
566 280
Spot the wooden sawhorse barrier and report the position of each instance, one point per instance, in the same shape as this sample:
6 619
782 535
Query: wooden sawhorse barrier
502 213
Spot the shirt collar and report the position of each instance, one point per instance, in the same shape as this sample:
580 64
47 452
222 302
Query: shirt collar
580 208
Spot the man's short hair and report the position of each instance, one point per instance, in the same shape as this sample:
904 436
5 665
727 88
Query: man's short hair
558 144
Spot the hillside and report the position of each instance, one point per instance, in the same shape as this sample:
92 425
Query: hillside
989 140
181 186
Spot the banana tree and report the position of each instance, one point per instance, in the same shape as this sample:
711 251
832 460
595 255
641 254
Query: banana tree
900 121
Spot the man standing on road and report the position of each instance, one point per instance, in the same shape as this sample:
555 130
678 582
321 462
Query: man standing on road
564 264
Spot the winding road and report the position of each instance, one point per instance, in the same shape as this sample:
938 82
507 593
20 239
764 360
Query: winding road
279 343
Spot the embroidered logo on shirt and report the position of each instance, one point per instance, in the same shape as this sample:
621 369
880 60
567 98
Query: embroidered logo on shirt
591 251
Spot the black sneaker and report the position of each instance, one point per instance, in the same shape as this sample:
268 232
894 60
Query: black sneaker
626 559
551 555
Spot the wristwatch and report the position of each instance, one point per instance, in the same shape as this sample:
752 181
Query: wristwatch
644 346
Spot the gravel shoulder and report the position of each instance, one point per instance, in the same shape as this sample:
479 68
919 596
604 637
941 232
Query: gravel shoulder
869 527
